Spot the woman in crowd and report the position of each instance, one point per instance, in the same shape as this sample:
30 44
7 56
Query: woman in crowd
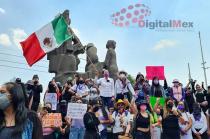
186 124
139 83
102 115
93 89
123 86
81 90
16 122
48 132
177 92
170 122
156 120
142 121
199 123
208 121
156 89
200 95
110 126
53 89
67 92
77 129
91 122
106 87
121 120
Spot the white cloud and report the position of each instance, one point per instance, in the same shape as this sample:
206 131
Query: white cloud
2 11
18 35
5 40
162 44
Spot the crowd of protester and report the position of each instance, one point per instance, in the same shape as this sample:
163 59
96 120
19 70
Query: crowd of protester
115 109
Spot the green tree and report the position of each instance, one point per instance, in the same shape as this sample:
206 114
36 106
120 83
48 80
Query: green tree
131 79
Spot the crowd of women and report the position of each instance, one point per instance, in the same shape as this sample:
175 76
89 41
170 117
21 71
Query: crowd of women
115 109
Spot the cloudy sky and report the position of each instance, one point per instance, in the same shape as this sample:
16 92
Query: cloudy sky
91 21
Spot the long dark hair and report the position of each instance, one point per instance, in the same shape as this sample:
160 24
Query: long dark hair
18 102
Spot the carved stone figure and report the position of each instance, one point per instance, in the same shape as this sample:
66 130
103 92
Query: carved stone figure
92 64
64 60
111 60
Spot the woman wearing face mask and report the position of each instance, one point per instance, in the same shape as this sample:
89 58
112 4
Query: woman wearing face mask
121 120
102 114
142 121
106 87
16 122
177 92
170 122
186 124
81 90
139 83
199 123
77 129
200 95
53 89
91 122
92 89
48 132
123 86
156 89
156 120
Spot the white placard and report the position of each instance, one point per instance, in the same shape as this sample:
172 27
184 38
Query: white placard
76 110
52 98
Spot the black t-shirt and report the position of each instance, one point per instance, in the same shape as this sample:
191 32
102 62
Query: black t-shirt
208 99
142 122
6 133
91 122
200 97
36 90
66 96
170 126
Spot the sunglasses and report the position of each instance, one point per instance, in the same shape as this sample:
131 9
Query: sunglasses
120 105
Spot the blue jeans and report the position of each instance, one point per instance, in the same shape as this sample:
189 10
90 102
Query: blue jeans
106 101
76 133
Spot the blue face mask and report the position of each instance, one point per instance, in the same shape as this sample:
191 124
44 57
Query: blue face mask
4 101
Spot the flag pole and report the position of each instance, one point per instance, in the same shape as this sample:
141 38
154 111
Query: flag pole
190 77
203 61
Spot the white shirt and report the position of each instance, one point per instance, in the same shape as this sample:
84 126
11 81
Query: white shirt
80 89
201 124
92 93
106 87
127 119
186 116
120 89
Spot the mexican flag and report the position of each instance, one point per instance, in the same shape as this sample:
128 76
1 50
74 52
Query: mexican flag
46 39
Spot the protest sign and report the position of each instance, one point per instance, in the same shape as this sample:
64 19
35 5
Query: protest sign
153 100
155 71
52 98
76 110
52 120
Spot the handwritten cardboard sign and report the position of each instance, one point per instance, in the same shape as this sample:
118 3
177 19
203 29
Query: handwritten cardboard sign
155 71
52 120
76 110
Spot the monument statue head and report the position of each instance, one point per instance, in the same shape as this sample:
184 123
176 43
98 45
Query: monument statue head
111 44
91 52
66 17
89 45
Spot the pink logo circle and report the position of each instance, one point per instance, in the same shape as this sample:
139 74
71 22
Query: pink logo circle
128 15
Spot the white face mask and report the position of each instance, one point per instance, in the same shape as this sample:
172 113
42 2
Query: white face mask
122 76
156 82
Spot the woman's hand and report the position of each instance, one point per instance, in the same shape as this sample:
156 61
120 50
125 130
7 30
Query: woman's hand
198 136
68 120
